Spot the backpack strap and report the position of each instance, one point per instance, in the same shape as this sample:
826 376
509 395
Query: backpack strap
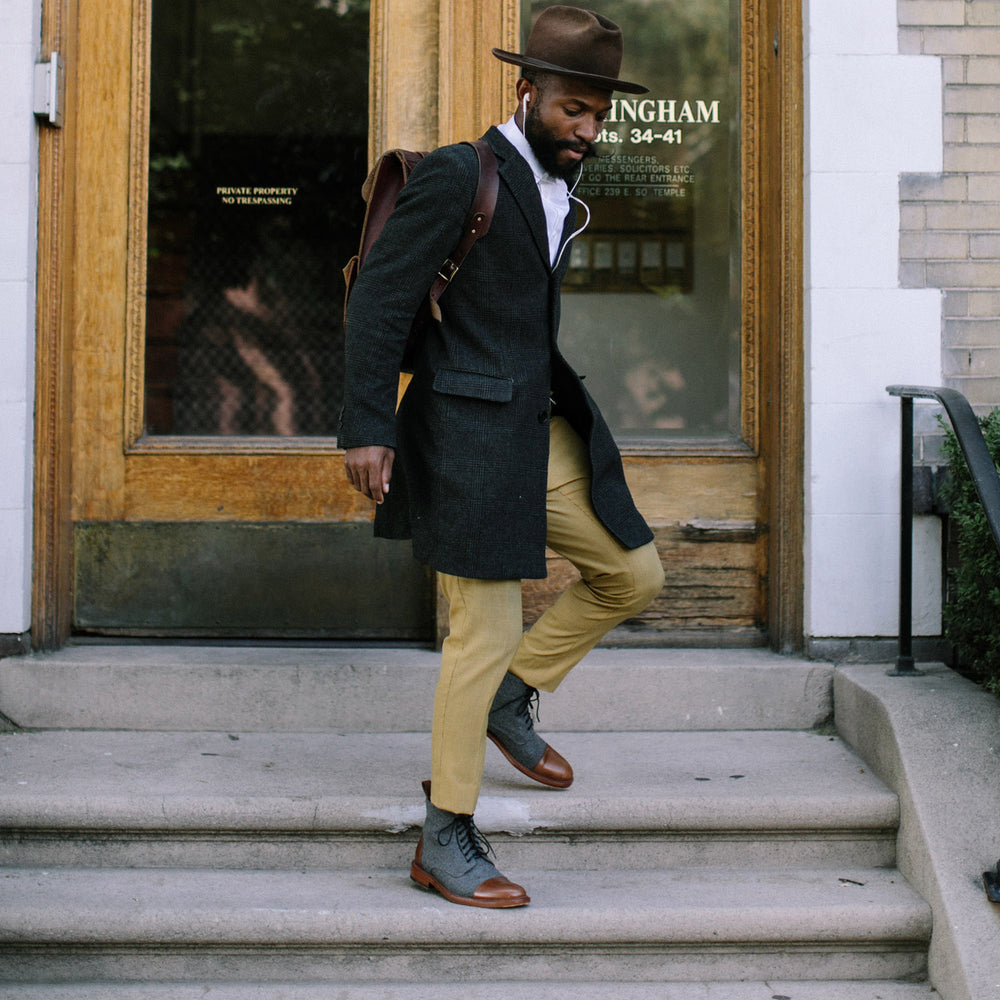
477 223
380 190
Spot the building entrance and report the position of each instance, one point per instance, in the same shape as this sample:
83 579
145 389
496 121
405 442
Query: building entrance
218 153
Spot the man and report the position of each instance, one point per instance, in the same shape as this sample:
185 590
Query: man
497 449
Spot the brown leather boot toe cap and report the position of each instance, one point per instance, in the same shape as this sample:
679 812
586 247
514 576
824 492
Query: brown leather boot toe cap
500 892
553 769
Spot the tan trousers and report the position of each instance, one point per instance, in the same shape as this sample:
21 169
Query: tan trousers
485 627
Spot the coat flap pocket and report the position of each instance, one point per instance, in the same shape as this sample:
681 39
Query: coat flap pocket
495 388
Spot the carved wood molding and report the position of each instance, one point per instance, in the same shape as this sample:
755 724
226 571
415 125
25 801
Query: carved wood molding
402 75
51 603
98 265
779 64
433 78
475 89
377 63
787 421
138 196
750 291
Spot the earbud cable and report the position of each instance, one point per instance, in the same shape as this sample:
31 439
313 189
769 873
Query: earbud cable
586 222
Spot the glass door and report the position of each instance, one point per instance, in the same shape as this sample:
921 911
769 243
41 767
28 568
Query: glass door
660 311
215 503
653 310
257 151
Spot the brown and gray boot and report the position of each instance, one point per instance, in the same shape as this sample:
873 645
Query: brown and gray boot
452 858
512 729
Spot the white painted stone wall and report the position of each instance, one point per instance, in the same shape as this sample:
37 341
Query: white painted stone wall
19 48
871 114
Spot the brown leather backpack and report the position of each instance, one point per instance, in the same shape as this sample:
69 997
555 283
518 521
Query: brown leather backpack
380 190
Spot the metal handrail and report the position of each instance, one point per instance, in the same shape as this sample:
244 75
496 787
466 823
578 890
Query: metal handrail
984 476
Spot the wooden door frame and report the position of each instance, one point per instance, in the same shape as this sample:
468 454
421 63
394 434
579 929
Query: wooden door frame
779 59
68 265
52 548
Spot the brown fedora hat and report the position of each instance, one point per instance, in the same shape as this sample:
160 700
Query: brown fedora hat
578 43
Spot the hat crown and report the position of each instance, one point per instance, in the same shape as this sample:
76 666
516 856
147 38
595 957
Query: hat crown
578 43
575 39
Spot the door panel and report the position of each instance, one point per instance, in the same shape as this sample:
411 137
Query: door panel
660 312
290 485
213 502
272 580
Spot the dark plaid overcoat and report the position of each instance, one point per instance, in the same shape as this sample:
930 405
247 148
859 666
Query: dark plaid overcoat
471 435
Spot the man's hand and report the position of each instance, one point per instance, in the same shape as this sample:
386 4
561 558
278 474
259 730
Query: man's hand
369 470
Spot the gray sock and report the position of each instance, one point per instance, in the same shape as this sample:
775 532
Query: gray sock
510 721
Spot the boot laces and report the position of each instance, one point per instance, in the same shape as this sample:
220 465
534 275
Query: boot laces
467 836
527 710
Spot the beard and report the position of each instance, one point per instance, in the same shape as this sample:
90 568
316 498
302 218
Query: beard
547 147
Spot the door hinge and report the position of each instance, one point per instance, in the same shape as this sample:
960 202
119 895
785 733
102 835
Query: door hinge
49 90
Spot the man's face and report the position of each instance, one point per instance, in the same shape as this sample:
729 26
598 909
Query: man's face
564 119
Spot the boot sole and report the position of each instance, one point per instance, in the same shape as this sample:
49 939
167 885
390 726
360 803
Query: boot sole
428 881
549 782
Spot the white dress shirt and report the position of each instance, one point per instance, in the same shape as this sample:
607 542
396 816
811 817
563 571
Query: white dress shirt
553 190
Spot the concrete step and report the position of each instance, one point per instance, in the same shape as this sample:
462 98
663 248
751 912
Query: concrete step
331 689
777 990
247 833
640 800
160 925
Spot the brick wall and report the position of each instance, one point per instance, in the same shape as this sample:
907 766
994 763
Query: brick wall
950 222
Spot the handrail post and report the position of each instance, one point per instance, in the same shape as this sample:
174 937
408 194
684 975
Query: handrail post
982 468
904 659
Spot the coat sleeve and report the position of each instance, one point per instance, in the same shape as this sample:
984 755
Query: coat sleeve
423 229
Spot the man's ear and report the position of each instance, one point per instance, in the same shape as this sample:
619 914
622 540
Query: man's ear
524 90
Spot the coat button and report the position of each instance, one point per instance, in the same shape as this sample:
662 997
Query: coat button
543 416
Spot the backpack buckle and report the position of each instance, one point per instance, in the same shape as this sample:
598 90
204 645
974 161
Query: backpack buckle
448 270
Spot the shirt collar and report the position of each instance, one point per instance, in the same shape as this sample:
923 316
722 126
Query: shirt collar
517 139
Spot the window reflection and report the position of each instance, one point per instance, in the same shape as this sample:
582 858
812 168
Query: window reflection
258 128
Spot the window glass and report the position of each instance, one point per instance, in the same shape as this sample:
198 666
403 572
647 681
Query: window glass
650 307
258 126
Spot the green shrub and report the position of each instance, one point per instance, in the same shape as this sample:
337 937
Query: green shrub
972 608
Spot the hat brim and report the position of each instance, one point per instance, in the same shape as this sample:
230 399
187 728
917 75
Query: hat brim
595 80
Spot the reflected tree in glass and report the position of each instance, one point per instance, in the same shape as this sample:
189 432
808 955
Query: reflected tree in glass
258 132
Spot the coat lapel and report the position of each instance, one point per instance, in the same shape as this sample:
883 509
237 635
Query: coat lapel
519 179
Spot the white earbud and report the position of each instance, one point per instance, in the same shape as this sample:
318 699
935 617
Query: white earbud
524 106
